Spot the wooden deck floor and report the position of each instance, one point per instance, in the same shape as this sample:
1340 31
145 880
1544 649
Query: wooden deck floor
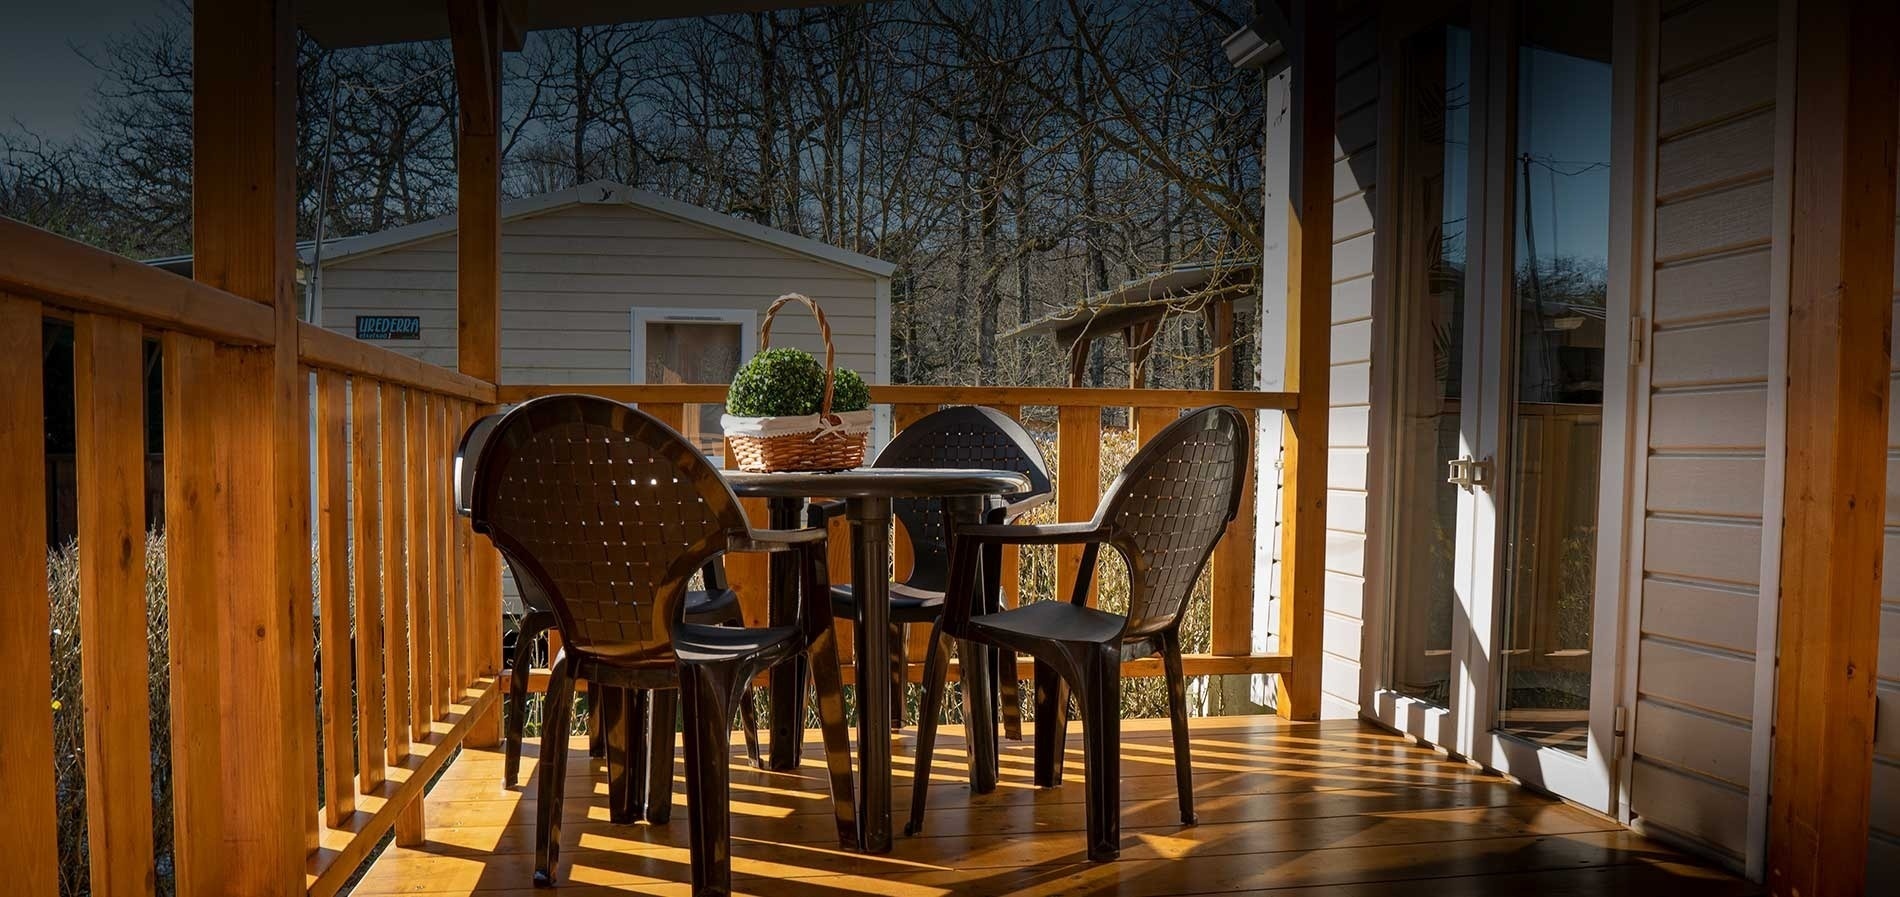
1336 808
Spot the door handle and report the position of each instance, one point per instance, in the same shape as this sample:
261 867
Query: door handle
1468 473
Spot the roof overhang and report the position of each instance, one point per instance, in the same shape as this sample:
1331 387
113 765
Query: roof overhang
336 24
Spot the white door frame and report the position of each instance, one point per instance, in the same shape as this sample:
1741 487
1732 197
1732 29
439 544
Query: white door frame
747 320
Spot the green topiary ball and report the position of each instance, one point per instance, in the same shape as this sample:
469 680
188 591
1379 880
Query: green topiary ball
788 382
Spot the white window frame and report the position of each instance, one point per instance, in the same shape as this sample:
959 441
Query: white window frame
746 319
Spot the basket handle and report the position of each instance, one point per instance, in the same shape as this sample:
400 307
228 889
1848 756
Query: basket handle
824 333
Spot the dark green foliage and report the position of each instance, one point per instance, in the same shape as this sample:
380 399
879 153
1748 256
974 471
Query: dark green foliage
788 382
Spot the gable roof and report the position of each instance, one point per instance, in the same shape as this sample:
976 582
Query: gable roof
605 193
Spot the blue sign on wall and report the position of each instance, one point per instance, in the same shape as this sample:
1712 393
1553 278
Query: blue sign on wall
388 327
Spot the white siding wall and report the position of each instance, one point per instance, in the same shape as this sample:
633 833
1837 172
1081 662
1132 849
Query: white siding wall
571 277
1709 431
1355 170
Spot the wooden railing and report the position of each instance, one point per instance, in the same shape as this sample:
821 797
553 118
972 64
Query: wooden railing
409 665
1078 431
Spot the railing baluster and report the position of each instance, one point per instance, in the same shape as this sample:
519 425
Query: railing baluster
441 497
395 572
462 416
29 825
366 537
1231 570
421 611
333 566
109 393
1078 485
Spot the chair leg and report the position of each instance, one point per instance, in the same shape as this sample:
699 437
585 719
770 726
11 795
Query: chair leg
1052 725
749 719
936 672
900 672
596 739
555 719
1009 699
1178 721
660 732
1100 693
622 723
531 628
708 795
827 683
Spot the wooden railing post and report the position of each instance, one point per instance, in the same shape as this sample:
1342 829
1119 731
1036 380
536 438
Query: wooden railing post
475 29
243 236
1840 281
1078 486
28 821
1309 259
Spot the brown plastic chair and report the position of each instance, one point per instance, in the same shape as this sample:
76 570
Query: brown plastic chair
608 512
714 605
965 437
1164 514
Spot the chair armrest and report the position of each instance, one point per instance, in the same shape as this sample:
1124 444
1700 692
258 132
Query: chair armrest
818 513
1015 509
776 539
1048 534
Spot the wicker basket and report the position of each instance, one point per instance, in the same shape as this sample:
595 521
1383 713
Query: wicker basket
814 442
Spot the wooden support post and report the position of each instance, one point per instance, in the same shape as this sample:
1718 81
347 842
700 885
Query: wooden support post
476 36
1840 318
1309 251
28 821
243 235
1078 486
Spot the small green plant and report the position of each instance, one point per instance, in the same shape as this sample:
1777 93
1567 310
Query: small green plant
789 382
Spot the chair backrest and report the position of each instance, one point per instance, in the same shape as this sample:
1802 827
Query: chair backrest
608 512
966 437
1170 505
466 452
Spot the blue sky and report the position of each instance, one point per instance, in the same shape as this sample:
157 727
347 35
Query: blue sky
44 82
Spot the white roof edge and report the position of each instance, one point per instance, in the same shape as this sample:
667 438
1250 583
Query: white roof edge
609 193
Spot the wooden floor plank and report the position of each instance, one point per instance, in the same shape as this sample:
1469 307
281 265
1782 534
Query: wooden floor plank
1286 808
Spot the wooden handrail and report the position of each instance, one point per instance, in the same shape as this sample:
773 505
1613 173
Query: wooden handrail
330 350
713 393
69 274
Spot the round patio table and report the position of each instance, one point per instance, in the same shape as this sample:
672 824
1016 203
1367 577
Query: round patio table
867 493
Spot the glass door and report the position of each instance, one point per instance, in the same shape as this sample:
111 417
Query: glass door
1502 308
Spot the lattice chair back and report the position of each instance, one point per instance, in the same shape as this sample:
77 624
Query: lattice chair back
609 513
1169 507
965 437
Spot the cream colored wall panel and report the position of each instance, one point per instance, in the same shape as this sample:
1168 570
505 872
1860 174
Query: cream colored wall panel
1883 866
1346 594
1716 91
1346 553
1346 510
1706 30
1715 287
1349 426
1888 666
1346 468
1709 745
1352 300
1722 220
1732 151
1690 806
1726 352
1355 173
1701 613
1340 636
1720 550
1352 258
1352 342
1735 417
1887 796
1351 384
1887 727
1702 484
1713 682
1352 216
1339 678
1355 131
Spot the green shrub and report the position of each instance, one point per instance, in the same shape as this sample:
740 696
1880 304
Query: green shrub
789 382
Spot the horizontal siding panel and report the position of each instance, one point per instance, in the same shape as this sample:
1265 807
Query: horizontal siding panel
1346 553
1346 510
1340 636
1718 287
1723 551
1351 384
770 286
1352 258
1716 683
1349 426
1346 595
1723 486
1700 613
1358 47
1698 808
1717 91
1352 342
1710 29
1890 572
1732 151
1736 418
1887 797
1355 173
1887 728
1357 87
1352 216
1355 132
1728 352
1352 300
1888 666
1713 746
1883 866
1713 222
1339 677
1346 468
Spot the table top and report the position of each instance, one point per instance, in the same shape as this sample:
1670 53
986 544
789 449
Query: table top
878 482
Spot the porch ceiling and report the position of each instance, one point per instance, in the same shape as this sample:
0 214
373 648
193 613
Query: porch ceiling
336 24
